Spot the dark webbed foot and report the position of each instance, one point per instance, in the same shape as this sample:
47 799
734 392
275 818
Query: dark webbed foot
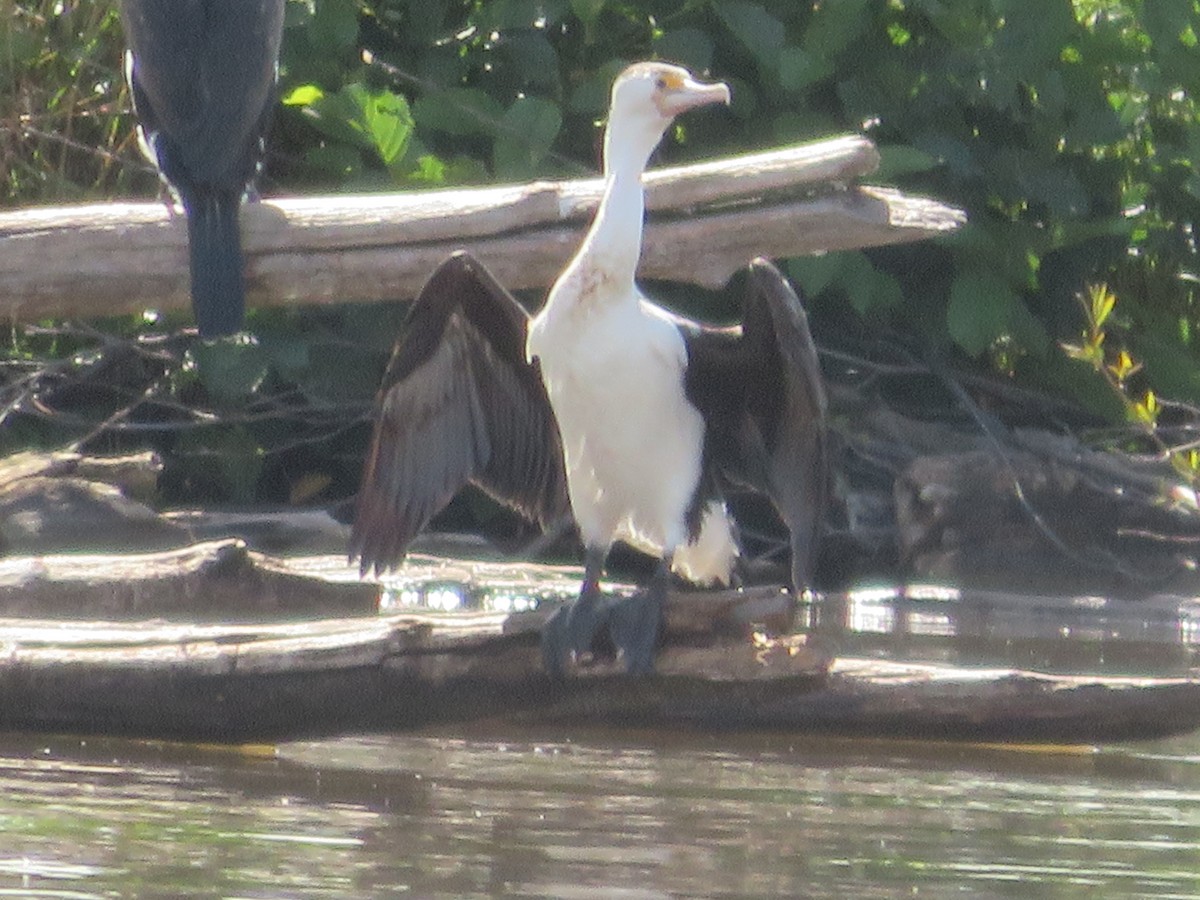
573 629
630 624
636 623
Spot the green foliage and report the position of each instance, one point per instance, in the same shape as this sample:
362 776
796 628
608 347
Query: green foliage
63 136
1142 407
1067 129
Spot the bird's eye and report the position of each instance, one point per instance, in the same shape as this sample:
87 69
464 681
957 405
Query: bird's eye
660 83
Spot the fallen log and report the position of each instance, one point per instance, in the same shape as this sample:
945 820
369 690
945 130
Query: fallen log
728 662
121 258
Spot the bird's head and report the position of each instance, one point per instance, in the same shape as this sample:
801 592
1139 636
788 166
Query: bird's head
646 98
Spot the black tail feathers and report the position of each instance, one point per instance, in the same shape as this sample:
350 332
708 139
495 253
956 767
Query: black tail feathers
215 245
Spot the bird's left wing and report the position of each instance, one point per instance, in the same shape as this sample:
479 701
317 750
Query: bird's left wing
796 441
459 403
760 389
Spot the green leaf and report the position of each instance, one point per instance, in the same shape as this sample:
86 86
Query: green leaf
814 273
799 69
457 111
499 15
287 352
335 375
338 161
369 118
531 54
896 161
430 170
866 287
231 369
979 310
689 47
422 21
755 28
590 94
302 95
1027 331
298 12
1059 188
1103 302
525 135
835 25
386 120
334 28
588 11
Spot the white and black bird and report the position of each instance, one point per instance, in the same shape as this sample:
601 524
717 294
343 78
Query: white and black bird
603 403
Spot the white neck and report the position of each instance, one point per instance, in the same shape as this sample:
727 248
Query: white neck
614 242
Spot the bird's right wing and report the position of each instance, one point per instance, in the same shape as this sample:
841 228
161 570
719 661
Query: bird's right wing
459 403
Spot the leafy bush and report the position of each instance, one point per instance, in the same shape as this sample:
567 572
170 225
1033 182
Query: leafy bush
1067 130
62 135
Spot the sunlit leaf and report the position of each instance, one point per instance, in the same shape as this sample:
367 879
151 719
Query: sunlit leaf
1123 366
1146 410
302 95
369 118
1102 303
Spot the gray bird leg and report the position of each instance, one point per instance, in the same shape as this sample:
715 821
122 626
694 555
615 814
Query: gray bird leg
572 630
637 621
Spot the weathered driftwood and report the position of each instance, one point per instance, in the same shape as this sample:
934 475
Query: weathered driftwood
209 581
719 668
706 222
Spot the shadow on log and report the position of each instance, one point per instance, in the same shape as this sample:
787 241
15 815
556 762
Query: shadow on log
725 664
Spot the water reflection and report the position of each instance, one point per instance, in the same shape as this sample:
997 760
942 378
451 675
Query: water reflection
1158 635
600 814
1076 634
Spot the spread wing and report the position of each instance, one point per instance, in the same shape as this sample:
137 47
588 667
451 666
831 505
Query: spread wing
459 403
762 394
797 443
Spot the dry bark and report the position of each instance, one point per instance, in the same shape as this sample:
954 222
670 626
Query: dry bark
126 257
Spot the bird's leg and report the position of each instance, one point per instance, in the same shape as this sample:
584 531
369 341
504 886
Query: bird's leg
573 628
637 621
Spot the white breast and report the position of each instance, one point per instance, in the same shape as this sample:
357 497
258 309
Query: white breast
632 441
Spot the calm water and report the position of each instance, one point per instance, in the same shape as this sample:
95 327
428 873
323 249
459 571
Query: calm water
567 812
627 815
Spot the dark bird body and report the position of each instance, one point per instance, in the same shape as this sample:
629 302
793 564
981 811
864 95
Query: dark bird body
203 73
633 418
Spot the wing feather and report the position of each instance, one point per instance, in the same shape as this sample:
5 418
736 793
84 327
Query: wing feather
763 399
796 435
459 403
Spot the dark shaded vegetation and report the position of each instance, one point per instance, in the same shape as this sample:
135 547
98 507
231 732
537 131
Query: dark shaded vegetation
1067 130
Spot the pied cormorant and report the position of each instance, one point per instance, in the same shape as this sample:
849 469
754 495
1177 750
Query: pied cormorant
603 403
